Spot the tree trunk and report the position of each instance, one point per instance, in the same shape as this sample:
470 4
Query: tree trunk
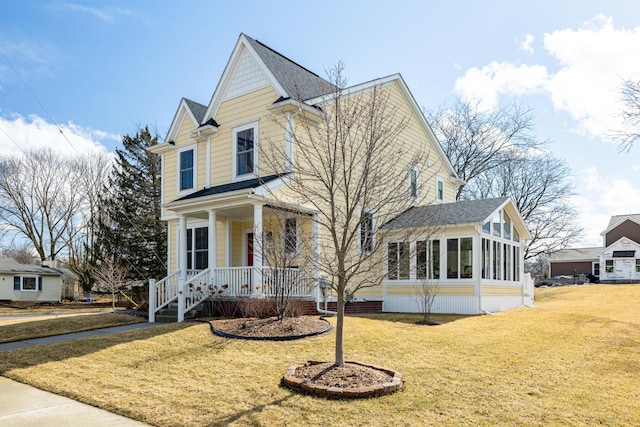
339 329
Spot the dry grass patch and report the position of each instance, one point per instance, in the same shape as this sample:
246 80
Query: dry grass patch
571 360
25 330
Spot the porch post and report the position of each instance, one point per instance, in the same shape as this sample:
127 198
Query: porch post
315 256
152 300
213 239
182 256
257 249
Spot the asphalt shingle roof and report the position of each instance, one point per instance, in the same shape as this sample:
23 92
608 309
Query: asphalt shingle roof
197 109
9 265
576 254
299 83
462 212
232 186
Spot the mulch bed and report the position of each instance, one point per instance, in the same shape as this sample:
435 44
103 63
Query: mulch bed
290 327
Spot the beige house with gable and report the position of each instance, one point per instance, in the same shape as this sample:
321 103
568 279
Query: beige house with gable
216 187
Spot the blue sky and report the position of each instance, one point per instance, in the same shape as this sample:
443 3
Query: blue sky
99 69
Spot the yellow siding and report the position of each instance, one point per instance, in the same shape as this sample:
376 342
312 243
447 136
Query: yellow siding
240 111
221 227
372 292
443 290
497 290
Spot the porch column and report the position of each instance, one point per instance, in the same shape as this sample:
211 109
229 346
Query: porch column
182 246
213 240
257 249
182 257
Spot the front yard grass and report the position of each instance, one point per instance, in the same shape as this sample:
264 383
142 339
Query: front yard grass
571 360
64 325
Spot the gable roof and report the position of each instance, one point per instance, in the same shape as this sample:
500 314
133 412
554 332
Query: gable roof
232 186
198 110
11 266
576 254
616 220
298 82
447 214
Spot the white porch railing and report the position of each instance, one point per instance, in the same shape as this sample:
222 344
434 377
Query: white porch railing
227 282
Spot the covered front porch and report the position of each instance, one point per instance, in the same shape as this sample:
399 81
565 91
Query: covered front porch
235 247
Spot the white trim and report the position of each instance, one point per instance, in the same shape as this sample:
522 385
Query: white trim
207 178
234 165
180 192
182 111
228 239
229 70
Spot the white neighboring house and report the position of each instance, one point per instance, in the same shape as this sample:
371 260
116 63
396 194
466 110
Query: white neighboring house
23 282
616 261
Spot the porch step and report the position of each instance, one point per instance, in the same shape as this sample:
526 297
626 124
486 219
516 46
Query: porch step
169 314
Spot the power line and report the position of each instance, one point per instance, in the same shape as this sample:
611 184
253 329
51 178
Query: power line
24 83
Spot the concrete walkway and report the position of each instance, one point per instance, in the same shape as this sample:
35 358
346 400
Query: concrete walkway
74 336
23 405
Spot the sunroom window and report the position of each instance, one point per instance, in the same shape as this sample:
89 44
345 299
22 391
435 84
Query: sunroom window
398 260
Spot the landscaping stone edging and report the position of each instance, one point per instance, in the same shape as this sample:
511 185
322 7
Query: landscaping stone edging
285 338
307 387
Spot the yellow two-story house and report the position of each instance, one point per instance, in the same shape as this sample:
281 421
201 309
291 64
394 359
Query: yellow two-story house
217 200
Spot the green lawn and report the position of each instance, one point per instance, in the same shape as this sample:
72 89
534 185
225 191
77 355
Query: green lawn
573 359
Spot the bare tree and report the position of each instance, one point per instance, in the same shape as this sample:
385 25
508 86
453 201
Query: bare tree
84 248
539 184
475 139
426 294
110 275
22 254
630 134
39 198
286 249
347 169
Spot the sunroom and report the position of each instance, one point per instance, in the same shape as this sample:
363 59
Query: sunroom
470 253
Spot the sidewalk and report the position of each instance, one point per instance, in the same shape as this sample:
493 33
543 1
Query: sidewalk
22 405
73 336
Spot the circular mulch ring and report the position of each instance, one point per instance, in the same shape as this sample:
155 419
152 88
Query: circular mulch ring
270 329
354 380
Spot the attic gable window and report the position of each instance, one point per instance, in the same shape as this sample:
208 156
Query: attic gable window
244 150
439 190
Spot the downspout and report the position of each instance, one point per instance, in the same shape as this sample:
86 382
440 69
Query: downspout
321 288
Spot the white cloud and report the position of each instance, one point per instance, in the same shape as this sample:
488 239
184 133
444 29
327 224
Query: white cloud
19 134
526 44
106 14
600 198
591 63
492 81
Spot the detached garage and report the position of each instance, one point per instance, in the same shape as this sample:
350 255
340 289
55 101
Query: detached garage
22 282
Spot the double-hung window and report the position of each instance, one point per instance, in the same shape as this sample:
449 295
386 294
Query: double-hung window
186 163
244 150
439 190
608 266
413 182
290 237
198 248
366 232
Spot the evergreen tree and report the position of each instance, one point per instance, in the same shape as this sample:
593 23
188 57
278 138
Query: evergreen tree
132 231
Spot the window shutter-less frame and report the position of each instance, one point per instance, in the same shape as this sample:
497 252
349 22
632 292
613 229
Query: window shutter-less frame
40 283
16 283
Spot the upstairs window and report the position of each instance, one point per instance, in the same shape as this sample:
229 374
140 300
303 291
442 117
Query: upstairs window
366 232
244 148
413 183
439 190
186 159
